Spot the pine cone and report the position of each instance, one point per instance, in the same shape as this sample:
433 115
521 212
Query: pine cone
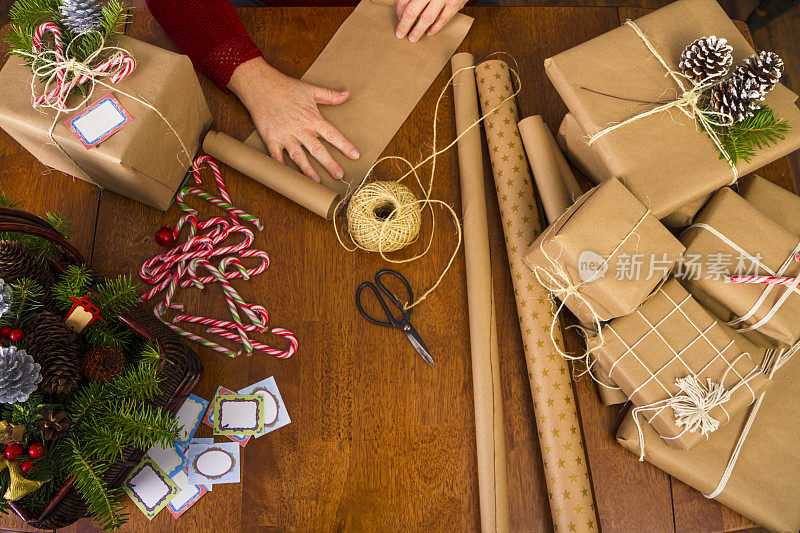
736 97
19 375
103 363
765 68
81 16
17 261
53 424
706 58
54 347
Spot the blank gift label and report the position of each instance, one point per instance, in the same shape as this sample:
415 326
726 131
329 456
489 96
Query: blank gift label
99 121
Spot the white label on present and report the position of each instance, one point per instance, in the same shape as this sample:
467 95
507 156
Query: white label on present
99 121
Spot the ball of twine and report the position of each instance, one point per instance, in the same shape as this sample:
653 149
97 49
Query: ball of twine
383 216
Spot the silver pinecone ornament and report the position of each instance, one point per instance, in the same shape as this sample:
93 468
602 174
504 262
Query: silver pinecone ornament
81 16
19 375
5 297
706 58
737 97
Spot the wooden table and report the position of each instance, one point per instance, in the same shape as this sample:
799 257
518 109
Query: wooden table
378 440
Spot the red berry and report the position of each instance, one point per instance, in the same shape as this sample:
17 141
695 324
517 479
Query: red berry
13 451
36 450
16 334
26 466
164 237
5 330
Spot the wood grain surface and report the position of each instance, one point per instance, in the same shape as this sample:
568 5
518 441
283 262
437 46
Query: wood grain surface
378 440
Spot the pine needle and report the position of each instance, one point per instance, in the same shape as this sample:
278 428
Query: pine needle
744 138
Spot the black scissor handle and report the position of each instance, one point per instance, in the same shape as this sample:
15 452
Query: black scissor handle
390 295
377 294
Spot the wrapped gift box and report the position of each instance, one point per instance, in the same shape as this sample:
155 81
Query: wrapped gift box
731 237
606 226
665 159
144 160
777 203
671 337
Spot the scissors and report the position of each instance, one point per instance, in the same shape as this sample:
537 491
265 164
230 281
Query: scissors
403 323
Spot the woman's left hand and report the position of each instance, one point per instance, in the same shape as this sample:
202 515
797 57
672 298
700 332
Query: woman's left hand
430 16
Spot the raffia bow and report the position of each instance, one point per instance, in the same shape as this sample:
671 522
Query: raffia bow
688 103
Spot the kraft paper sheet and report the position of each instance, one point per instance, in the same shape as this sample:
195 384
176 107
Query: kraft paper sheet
560 437
386 77
488 398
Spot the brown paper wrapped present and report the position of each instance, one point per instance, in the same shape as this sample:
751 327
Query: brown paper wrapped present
604 255
777 203
144 160
731 237
685 374
764 479
665 159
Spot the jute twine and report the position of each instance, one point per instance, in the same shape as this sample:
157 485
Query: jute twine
386 216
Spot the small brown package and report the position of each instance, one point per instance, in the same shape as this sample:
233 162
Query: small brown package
609 248
731 237
668 340
665 159
777 203
764 484
144 160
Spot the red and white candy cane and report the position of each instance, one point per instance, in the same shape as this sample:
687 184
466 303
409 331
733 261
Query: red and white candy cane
179 266
68 74
761 280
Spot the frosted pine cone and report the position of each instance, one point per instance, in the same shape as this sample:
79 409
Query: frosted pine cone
19 375
706 58
765 68
81 16
736 97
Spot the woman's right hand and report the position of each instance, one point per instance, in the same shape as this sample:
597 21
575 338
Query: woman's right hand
284 111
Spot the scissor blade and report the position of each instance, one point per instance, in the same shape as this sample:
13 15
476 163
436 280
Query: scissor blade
418 344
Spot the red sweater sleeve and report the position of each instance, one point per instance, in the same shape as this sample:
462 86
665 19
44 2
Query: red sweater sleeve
209 32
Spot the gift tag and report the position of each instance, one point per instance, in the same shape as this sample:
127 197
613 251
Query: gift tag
170 459
150 488
99 121
214 463
188 495
189 416
275 414
238 414
208 419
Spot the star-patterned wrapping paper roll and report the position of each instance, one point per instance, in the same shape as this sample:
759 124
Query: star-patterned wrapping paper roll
560 437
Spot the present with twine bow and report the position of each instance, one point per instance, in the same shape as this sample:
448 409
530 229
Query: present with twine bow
647 121
145 160
750 464
730 248
604 255
683 371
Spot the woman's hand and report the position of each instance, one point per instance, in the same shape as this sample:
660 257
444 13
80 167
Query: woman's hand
284 111
432 15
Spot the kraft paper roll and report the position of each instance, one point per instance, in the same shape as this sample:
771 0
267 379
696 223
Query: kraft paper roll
560 437
489 428
284 180
536 139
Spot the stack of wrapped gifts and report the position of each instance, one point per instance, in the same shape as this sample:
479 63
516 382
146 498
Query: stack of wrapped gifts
681 266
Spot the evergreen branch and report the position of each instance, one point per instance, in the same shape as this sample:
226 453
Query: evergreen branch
108 333
73 283
743 138
105 504
26 298
61 223
6 202
144 425
151 353
116 295
115 16
32 13
87 401
140 381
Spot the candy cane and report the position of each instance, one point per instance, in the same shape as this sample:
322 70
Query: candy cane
178 267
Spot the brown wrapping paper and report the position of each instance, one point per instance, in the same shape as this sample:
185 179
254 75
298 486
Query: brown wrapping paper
541 150
488 398
572 139
286 181
664 159
753 232
608 219
144 160
671 337
386 77
765 482
777 203
560 437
